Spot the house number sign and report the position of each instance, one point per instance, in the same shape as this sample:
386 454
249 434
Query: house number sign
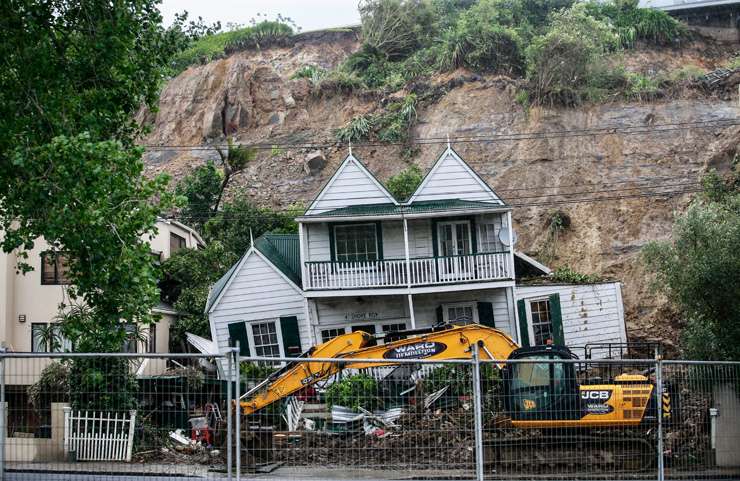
353 316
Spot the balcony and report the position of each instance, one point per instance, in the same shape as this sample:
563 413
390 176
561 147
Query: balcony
422 271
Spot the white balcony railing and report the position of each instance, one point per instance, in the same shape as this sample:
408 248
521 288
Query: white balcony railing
421 271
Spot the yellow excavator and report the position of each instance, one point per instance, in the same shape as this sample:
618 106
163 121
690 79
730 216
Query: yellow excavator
544 396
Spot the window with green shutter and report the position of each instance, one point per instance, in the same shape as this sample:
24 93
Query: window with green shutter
238 332
291 336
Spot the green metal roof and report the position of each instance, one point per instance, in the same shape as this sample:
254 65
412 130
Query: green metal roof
423 207
282 250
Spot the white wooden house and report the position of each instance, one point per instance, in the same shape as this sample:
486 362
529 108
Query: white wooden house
364 261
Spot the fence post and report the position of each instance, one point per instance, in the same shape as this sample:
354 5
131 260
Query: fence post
229 408
237 395
131 428
659 402
478 414
3 414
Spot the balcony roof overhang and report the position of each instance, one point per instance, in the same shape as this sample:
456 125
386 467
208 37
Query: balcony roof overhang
416 210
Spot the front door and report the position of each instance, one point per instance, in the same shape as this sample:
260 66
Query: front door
454 249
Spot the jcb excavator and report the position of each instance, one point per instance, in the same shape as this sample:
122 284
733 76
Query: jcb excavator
545 396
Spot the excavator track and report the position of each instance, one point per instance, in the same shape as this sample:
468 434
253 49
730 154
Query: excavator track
568 453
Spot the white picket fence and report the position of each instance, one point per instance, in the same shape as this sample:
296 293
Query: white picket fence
99 436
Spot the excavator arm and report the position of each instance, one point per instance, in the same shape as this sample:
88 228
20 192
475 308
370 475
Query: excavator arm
450 342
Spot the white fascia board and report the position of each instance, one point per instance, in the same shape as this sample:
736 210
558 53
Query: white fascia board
335 176
438 163
279 272
231 279
470 286
424 215
533 262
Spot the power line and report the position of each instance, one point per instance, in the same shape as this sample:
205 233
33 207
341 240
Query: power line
515 136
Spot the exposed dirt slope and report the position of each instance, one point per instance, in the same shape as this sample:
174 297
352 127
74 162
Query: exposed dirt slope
250 96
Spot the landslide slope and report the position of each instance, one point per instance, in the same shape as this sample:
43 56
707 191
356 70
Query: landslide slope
251 97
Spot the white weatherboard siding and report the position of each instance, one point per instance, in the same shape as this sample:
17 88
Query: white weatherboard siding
420 237
355 311
351 185
257 293
451 178
591 312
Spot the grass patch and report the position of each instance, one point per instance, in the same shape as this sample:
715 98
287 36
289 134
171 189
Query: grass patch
391 125
218 45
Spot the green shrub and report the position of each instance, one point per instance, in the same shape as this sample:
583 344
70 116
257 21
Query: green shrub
394 126
311 72
632 23
570 276
211 47
355 391
52 386
339 81
560 63
403 184
481 47
396 28
255 371
687 73
357 129
102 384
642 87
734 63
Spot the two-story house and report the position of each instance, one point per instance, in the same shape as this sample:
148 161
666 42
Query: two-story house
29 303
364 261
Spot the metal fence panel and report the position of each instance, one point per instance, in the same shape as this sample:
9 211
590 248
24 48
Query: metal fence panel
466 419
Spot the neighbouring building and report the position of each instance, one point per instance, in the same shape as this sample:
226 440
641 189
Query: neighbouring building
364 261
30 302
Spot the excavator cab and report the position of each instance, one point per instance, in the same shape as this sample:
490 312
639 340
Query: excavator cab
544 390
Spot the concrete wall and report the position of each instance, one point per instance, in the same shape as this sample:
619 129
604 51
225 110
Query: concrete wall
23 449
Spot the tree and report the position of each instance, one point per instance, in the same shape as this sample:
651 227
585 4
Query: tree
74 74
403 184
699 270
395 27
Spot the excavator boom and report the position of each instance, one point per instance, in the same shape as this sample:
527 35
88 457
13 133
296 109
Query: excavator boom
452 342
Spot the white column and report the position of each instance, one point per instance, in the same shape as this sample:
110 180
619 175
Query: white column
302 251
513 275
411 311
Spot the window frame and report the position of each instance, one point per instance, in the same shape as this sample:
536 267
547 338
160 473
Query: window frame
378 324
130 329
530 319
472 304
378 241
341 330
278 332
483 239
65 345
41 325
151 340
182 242
58 279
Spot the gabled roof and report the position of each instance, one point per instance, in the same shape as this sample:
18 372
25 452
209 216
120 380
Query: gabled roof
452 177
351 184
280 250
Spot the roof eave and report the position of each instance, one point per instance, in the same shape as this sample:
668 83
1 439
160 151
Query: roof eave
419 215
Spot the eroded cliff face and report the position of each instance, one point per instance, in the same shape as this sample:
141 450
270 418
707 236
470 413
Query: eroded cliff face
251 97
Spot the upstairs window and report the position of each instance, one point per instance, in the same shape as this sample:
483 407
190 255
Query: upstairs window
356 242
488 238
176 243
54 268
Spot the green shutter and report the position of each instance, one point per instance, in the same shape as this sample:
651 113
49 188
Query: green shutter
523 327
556 318
238 332
485 314
379 235
291 336
332 245
440 317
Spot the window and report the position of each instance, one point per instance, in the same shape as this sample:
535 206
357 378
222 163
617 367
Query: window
327 334
357 242
541 321
130 344
176 243
394 327
460 313
265 339
54 268
488 238
152 339
47 337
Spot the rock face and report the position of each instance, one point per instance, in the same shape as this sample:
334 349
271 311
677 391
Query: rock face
251 97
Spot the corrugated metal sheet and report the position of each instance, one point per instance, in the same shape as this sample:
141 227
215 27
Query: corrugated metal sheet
423 207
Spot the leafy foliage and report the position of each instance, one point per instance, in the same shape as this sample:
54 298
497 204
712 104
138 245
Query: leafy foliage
357 129
200 189
393 125
217 45
75 76
403 184
102 383
571 276
52 386
632 23
395 28
699 270
560 61
355 391
255 371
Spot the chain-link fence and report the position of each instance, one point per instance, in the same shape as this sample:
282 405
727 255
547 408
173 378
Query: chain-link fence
135 416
